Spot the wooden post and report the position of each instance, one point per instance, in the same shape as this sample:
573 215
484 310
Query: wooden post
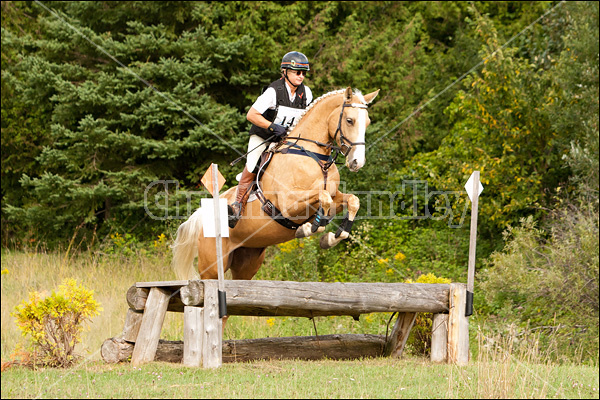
152 321
220 269
458 326
133 322
439 338
212 347
193 332
474 195
215 183
399 335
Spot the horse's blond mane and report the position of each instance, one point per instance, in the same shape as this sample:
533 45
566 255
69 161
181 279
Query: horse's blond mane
315 102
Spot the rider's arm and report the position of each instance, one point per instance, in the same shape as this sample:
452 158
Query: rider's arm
257 119
267 100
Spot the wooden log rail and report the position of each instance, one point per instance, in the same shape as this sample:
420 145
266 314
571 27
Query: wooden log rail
311 299
333 347
305 299
203 345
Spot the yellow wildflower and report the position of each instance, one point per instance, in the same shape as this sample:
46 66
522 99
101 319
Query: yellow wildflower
399 257
160 241
288 247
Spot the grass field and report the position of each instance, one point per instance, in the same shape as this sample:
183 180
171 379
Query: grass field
501 367
370 378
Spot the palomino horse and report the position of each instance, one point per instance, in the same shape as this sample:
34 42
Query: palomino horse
298 192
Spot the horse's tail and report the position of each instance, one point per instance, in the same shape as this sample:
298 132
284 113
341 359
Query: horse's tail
185 248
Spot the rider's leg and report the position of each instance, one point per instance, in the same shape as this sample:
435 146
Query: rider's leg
243 188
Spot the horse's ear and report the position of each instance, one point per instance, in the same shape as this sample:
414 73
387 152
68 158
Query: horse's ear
371 96
348 95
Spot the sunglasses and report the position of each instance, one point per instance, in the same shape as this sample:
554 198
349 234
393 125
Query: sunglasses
300 72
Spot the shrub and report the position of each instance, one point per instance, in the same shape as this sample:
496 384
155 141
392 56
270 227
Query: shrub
419 342
548 279
54 323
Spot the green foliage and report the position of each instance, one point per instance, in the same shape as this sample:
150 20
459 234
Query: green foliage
375 252
550 281
99 136
111 113
415 251
54 323
501 127
112 136
577 112
419 341
296 260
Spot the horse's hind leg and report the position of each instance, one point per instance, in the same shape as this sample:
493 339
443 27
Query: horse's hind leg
246 262
207 257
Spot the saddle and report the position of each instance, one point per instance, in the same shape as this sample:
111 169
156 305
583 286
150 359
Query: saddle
268 207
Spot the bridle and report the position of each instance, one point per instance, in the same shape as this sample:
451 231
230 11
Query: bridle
345 143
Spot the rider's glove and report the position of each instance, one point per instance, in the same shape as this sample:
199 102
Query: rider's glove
278 130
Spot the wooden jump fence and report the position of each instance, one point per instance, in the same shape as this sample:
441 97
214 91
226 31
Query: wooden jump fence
203 343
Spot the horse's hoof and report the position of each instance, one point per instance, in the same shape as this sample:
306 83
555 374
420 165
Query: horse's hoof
328 240
304 231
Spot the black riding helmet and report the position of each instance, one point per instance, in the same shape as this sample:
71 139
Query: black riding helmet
296 61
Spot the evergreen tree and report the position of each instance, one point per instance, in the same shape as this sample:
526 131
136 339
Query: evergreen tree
130 105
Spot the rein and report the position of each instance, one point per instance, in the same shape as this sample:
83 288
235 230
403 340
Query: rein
345 143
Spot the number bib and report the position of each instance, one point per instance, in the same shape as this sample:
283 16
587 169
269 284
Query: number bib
288 116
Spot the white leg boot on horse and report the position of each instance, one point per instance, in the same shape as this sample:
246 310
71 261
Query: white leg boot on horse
243 192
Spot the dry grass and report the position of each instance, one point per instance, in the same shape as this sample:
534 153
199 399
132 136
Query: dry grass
109 276
506 367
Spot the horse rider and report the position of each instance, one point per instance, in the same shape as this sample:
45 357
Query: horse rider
278 108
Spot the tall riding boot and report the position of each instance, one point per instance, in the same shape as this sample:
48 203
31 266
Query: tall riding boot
243 192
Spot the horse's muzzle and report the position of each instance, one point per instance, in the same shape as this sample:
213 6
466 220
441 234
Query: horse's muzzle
354 165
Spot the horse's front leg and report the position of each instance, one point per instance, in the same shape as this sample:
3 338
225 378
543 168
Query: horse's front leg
321 219
340 200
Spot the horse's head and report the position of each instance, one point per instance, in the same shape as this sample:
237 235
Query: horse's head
349 129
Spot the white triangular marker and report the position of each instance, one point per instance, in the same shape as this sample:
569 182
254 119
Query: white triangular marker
469 187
